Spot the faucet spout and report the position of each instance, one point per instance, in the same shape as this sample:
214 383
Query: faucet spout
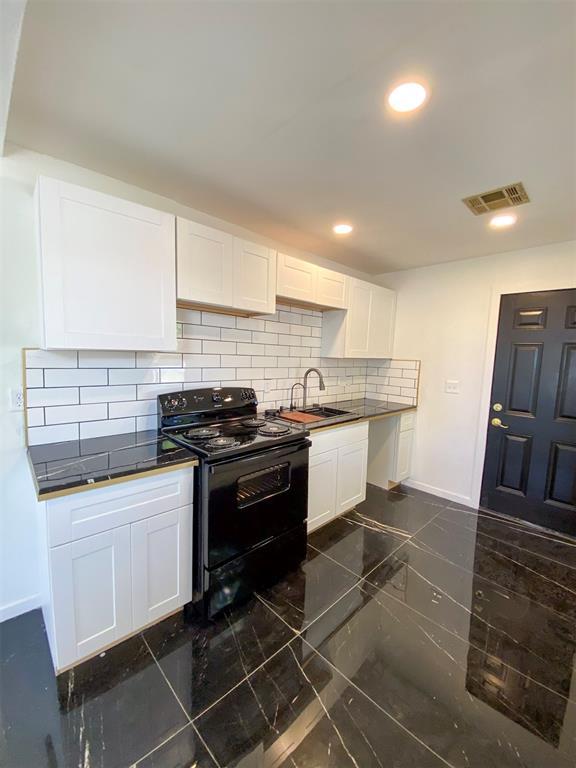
321 379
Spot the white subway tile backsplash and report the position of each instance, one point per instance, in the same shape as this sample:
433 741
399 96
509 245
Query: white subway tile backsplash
42 358
65 414
189 316
219 347
103 393
34 377
56 434
103 428
145 423
189 345
172 374
234 334
57 396
134 376
200 332
220 374
158 360
74 377
201 361
250 323
151 391
220 320
250 349
107 394
232 361
263 337
132 408
88 359
35 417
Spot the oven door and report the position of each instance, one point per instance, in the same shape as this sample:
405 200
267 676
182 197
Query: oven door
250 500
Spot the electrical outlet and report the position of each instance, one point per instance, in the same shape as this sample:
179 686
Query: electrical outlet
452 386
16 399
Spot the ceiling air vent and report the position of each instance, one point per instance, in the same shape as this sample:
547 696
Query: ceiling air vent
503 197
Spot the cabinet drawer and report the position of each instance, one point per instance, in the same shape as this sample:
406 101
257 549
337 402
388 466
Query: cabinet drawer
338 437
407 421
101 509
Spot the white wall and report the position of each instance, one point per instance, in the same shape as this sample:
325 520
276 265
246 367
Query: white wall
446 317
19 327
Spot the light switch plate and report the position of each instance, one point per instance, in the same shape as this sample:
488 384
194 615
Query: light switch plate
452 386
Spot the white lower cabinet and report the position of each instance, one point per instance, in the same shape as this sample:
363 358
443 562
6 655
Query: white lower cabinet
352 466
161 564
323 472
91 593
101 587
337 472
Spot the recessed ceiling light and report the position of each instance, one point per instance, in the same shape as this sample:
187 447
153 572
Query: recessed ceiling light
503 220
407 97
342 229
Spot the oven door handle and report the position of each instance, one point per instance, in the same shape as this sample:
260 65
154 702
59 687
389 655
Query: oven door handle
272 454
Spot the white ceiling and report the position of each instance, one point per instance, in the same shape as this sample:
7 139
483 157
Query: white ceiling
271 115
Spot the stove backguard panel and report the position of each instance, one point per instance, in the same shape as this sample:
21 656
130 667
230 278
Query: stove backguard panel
78 394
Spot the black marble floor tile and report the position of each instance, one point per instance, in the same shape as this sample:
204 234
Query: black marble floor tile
107 712
401 511
307 592
523 571
532 636
204 660
299 711
465 705
545 544
356 542
184 750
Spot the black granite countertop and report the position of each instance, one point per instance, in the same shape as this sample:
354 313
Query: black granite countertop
359 410
76 465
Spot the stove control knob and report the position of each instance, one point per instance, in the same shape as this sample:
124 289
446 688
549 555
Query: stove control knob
216 397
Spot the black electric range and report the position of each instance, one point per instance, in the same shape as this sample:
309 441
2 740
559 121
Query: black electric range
250 492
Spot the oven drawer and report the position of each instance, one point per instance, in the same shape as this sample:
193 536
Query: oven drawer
252 499
93 511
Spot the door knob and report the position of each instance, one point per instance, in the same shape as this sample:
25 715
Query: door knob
497 407
498 423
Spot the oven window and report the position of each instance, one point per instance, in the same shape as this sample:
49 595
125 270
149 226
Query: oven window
263 484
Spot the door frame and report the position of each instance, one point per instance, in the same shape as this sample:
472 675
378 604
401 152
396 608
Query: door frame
515 286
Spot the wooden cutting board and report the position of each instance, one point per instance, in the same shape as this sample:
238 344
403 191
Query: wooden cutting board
302 418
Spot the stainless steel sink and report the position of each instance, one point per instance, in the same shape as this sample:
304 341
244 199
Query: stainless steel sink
324 413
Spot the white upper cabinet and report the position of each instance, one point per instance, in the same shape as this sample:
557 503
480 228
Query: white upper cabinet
204 264
254 277
297 279
331 288
366 329
108 272
220 270
304 282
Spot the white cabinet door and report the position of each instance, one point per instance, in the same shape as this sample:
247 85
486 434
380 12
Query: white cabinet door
108 271
296 279
91 593
359 319
161 564
323 469
204 264
381 338
404 455
254 277
330 288
352 467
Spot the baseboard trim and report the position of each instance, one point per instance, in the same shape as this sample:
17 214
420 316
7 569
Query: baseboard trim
442 492
10 610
